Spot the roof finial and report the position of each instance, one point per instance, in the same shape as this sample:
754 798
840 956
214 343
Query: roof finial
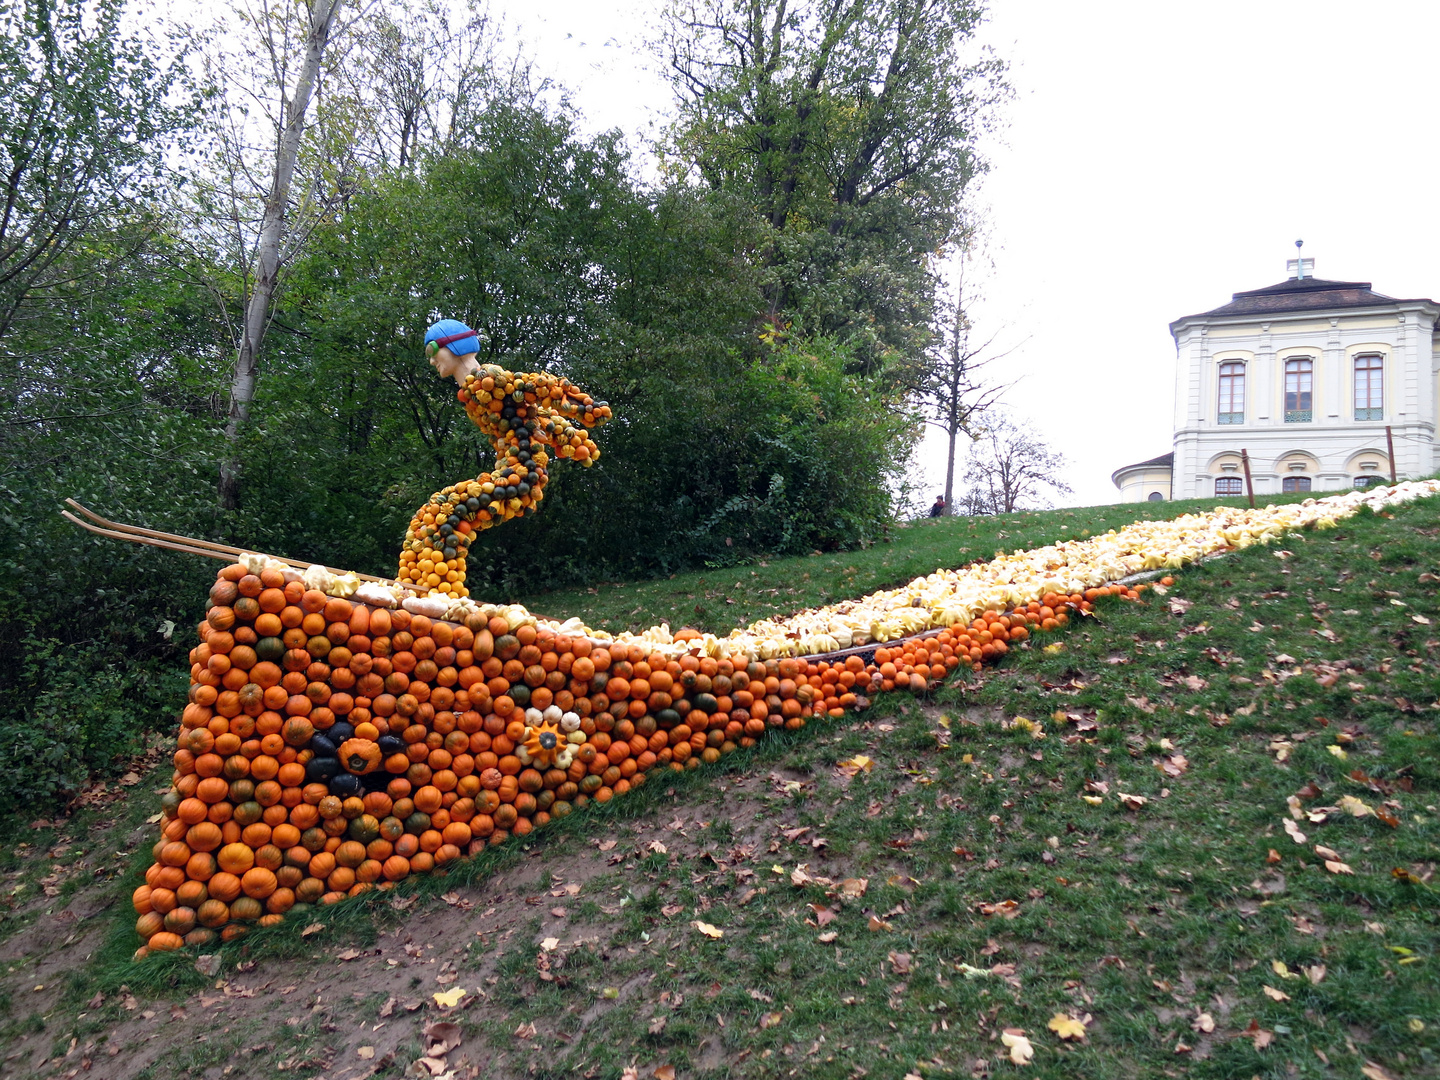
1299 264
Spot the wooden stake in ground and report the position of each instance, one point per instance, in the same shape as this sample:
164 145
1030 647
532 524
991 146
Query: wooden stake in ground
1249 487
1390 446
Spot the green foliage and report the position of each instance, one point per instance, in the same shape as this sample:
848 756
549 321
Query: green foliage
84 110
84 713
850 128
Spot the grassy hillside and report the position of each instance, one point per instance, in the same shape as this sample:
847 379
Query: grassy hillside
1103 830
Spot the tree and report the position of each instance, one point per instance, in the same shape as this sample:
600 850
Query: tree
952 395
290 35
84 115
851 127
1011 469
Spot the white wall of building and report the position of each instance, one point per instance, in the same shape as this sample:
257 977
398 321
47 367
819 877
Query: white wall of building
1331 448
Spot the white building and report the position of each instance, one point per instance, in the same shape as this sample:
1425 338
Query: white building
1304 376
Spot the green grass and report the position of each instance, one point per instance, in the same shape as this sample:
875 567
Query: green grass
1141 919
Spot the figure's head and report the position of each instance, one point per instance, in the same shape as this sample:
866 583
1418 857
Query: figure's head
451 348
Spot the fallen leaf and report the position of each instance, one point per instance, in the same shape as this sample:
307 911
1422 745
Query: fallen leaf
441 1037
550 944
1009 909
900 962
854 887
1259 1035
1275 995
1338 751
665 1072
313 928
877 923
366 1052
1325 852
1203 1023
1093 800
208 965
1067 1027
657 847
823 914
1314 973
387 1008
1280 968
450 998
1354 807
859 763
1272 856
1020 1049
657 1024
827 937
1371 1071
1132 802
434 1066
708 930
1337 867
526 1031
1293 831
349 954
769 1020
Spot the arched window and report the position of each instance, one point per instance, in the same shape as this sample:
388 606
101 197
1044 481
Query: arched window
1228 485
1155 496
1369 387
1231 408
1295 483
1299 390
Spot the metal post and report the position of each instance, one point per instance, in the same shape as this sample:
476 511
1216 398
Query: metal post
1249 487
1390 444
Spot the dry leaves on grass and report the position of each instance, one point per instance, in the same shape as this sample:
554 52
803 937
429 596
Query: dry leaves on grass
1275 995
823 914
1174 765
1020 1049
1354 807
708 930
1008 909
1258 1035
441 1037
450 998
1068 1027
1203 1023
853 888
1132 802
859 763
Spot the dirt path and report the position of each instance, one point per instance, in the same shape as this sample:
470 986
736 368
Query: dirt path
353 1009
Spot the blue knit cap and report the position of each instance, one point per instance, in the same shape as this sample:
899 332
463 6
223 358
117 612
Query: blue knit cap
466 342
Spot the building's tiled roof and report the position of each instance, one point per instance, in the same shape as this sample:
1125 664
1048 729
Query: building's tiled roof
1166 461
1311 294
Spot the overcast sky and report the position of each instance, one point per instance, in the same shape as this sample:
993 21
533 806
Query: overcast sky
1158 157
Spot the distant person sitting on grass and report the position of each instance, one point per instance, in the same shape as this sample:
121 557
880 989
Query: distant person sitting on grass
938 510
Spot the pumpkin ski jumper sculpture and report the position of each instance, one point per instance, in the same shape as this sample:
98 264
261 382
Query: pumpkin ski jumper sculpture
529 418
343 734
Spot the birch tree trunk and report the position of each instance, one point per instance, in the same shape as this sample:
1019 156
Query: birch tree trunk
272 233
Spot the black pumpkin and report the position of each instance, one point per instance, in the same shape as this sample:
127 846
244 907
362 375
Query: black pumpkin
320 770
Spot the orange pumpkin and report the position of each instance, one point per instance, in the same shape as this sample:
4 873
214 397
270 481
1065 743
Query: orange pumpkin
360 756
